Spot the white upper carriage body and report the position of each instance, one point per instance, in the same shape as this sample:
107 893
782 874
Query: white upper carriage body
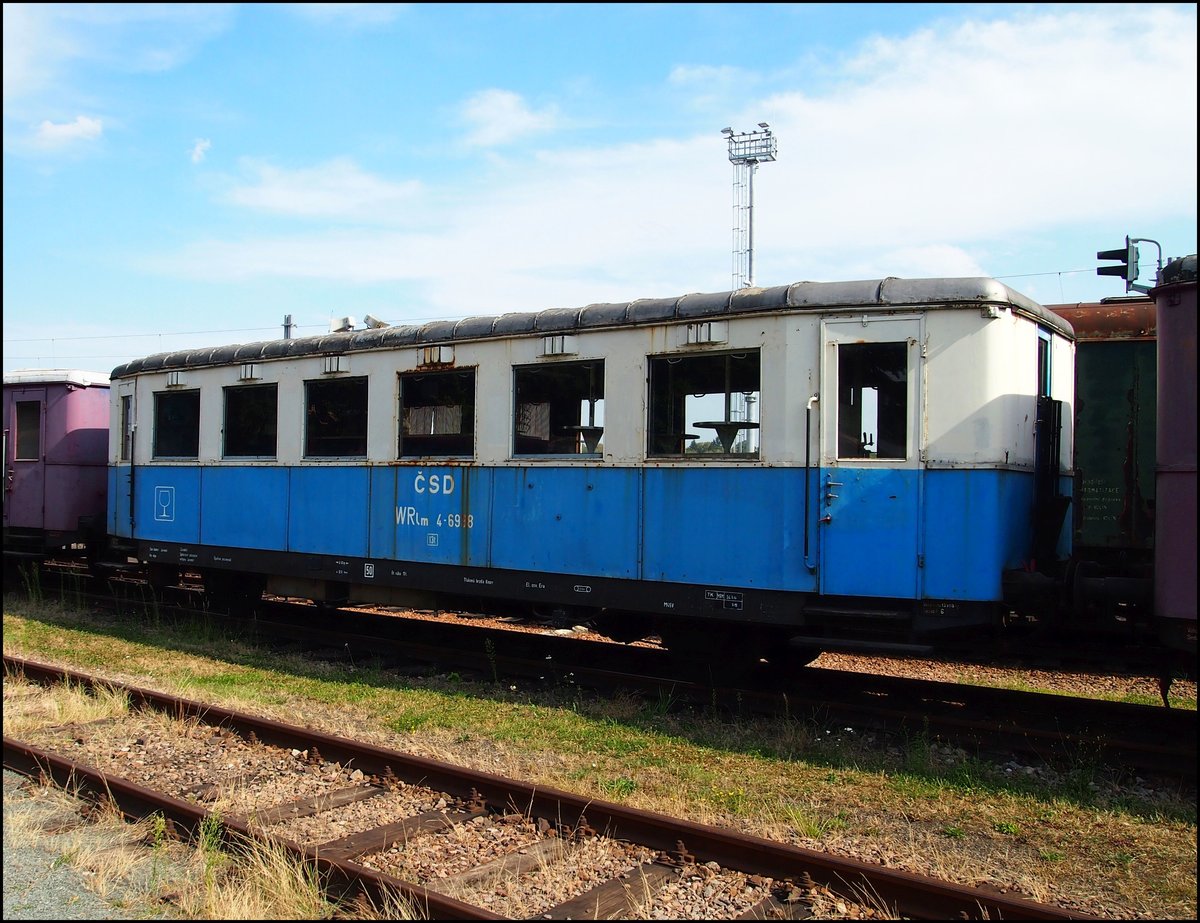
973 347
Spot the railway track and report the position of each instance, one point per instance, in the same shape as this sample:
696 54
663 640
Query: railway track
997 723
1050 728
370 818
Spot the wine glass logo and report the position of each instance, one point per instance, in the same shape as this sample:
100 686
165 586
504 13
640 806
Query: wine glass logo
164 504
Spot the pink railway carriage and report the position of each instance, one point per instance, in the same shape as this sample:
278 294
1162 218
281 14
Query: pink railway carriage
55 458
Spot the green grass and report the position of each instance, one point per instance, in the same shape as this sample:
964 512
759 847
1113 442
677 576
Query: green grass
1133 698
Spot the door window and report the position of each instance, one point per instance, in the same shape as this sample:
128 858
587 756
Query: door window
29 430
872 420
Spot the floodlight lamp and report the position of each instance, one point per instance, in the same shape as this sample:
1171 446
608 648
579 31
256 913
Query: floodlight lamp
763 125
727 131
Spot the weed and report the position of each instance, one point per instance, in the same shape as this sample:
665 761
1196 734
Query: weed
918 752
916 788
1051 855
490 649
955 833
1083 775
158 830
813 826
158 839
71 591
407 723
731 799
1007 827
663 705
619 788
208 843
1123 858
31 579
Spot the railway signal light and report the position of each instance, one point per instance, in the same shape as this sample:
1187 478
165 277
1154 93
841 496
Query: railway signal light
1128 267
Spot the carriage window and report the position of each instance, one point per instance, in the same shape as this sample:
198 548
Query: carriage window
437 414
704 406
1043 359
873 400
29 430
559 409
251 418
177 424
335 424
126 427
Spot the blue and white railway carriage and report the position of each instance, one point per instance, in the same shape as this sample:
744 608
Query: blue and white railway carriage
810 466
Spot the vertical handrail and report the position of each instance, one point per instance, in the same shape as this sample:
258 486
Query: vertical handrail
808 472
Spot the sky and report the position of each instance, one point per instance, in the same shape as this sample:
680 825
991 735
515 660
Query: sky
181 176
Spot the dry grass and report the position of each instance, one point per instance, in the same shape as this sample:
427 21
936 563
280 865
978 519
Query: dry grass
393 906
253 880
129 864
27 708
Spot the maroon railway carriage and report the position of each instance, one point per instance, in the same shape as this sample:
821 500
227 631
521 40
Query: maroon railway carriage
1110 577
55 461
1175 468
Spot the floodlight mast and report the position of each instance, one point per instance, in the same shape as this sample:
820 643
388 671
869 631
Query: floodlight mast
747 149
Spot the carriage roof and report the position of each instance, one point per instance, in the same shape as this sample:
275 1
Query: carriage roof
881 294
55 377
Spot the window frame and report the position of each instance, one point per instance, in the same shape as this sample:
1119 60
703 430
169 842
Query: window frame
468 411
902 412
586 426
192 449
351 427
125 403
25 431
273 424
671 400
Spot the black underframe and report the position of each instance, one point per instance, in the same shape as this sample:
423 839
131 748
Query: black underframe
806 612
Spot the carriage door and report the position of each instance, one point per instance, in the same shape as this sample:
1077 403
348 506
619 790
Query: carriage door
121 492
869 495
24 471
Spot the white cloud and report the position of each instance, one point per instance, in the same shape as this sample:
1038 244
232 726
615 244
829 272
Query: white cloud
926 261
988 129
199 149
336 189
31 49
58 135
928 151
497 117
43 41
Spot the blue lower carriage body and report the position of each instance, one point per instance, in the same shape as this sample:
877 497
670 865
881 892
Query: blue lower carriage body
732 541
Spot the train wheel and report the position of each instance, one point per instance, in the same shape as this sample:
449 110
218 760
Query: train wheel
161 576
796 657
625 628
714 655
231 592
